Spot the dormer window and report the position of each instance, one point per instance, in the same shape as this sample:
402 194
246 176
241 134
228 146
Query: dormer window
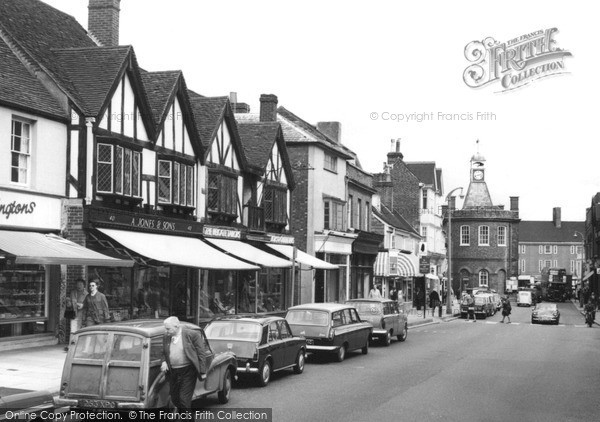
118 171
175 183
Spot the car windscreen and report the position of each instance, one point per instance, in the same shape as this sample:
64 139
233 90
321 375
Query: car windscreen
367 308
234 330
546 307
480 300
307 317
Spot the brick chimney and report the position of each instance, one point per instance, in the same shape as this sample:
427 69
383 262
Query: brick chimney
333 130
268 108
556 217
103 21
392 157
238 107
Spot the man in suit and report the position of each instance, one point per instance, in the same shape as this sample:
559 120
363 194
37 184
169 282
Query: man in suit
187 358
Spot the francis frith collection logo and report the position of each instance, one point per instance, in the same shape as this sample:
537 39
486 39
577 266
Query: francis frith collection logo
516 62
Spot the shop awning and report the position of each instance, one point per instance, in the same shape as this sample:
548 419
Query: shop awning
393 263
250 253
177 250
302 257
588 275
50 249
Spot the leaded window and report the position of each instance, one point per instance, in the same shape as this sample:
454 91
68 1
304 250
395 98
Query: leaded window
118 170
175 183
222 193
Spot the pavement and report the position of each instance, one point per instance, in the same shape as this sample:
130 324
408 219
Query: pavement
40 368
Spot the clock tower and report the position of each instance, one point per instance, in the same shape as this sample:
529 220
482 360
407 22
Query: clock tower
477 168
477 194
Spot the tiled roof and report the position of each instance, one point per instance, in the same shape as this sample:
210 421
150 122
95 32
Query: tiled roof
546 231
92 72
160 87
315 135
425 171
20 89
394 219
37 28
208 114
257 140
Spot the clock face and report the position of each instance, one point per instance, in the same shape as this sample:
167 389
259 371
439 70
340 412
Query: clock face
478 175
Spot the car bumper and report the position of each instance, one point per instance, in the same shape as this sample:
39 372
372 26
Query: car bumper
314 348
113 405
379 333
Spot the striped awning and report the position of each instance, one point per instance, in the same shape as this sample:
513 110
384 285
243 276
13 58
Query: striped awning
394 264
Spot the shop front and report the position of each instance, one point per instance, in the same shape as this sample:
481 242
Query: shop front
33 268
396 269
336 249
364 253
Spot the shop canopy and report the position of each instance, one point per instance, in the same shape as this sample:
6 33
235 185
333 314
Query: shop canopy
250 253
302 257
50 249
394 264
177 250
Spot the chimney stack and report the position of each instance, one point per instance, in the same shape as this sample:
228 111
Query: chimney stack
103 21
556 217
333 130
268 108
238 107
392 157
514 203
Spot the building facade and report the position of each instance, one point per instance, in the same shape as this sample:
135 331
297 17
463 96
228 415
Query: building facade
484 249
551 244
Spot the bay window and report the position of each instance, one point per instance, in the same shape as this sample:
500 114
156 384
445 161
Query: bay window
222 193
275 205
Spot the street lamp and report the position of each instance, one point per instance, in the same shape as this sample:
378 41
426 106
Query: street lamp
448 287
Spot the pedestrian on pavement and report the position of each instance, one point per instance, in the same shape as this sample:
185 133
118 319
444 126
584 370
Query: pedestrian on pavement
187 357
77 296
506 308
394 294
95 307
374 293
470 301
434 301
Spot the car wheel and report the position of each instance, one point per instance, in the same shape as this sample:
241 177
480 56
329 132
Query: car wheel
299 367
532 321
387 340
365 349
226 391
264 375
341 353
402 337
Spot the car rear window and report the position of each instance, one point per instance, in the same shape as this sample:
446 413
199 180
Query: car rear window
234 330
91 346
307 317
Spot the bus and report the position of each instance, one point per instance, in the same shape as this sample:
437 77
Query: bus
556 284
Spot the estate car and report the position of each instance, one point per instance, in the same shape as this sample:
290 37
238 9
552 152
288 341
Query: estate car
262 345
385 317
118 366
330 328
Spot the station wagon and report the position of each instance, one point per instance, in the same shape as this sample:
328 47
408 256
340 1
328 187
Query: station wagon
385 316
330 328
118 366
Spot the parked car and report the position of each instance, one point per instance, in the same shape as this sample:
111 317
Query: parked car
262 345
385 317
524 298
492 306
118 366
545 312
330 328
24 405
484 305
496 300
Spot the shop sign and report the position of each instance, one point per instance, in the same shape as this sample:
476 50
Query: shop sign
142 222
29 210
211 231
424 265
286 240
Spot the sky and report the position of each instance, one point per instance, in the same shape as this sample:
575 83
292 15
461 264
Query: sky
372 66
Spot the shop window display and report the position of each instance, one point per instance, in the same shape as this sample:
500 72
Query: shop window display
152 297
22 300
115 283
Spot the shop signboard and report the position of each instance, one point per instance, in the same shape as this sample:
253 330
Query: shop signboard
29 210
424 265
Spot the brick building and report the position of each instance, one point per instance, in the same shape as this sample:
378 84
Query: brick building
484 236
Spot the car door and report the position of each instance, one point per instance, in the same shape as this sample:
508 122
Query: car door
276 345
362 330
289 343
